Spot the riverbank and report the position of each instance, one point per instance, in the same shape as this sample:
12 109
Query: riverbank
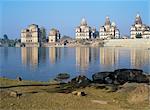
129 43
33 95
138 43
134 43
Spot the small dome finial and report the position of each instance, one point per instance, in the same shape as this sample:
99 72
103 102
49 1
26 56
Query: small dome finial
137 15
113 24
138 19
107 21
83 22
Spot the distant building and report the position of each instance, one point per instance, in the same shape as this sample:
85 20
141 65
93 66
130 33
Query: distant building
109 30
54 35
31 34
139 30
83 31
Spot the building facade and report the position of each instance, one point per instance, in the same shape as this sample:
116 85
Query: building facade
109 30
83 31
54 35
31 34
139 30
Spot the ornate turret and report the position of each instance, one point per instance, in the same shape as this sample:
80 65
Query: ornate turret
107 22
138 19
109 30
54 35
53 32
83 22
113 24
139 30
83 31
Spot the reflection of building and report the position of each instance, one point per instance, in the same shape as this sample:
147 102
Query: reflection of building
31 34
54 54
139 30
42 55
108 56
29 56
139 58
109 30
95 54
83 57
54 35
84 31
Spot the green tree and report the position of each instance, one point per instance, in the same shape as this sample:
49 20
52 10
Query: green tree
43 34
5 37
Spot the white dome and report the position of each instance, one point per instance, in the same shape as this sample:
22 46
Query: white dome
113 24
107 17
53 31
83 22
33 26
138 15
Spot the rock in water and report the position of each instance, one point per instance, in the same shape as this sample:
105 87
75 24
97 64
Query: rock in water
63 76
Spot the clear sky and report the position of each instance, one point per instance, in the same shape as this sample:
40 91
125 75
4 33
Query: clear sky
65 15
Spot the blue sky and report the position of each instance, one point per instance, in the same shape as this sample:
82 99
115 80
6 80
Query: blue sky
65 15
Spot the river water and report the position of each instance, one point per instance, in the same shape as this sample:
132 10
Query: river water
43 64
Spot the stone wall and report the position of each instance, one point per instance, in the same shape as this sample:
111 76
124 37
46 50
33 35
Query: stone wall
32 45
127 43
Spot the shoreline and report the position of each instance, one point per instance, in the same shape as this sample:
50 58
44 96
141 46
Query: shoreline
81 46
125 43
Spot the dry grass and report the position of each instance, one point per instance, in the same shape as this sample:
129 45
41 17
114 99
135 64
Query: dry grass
48 98
139 95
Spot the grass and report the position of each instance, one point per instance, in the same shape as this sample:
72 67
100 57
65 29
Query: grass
46 96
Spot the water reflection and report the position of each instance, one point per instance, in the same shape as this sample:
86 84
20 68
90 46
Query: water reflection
4 53
108 56
29 56
94 54
112 58
54 54
76 60
83 57
32 57
42 55
139 58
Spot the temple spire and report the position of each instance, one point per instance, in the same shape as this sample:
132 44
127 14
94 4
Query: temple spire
83 22
138 19
107 22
